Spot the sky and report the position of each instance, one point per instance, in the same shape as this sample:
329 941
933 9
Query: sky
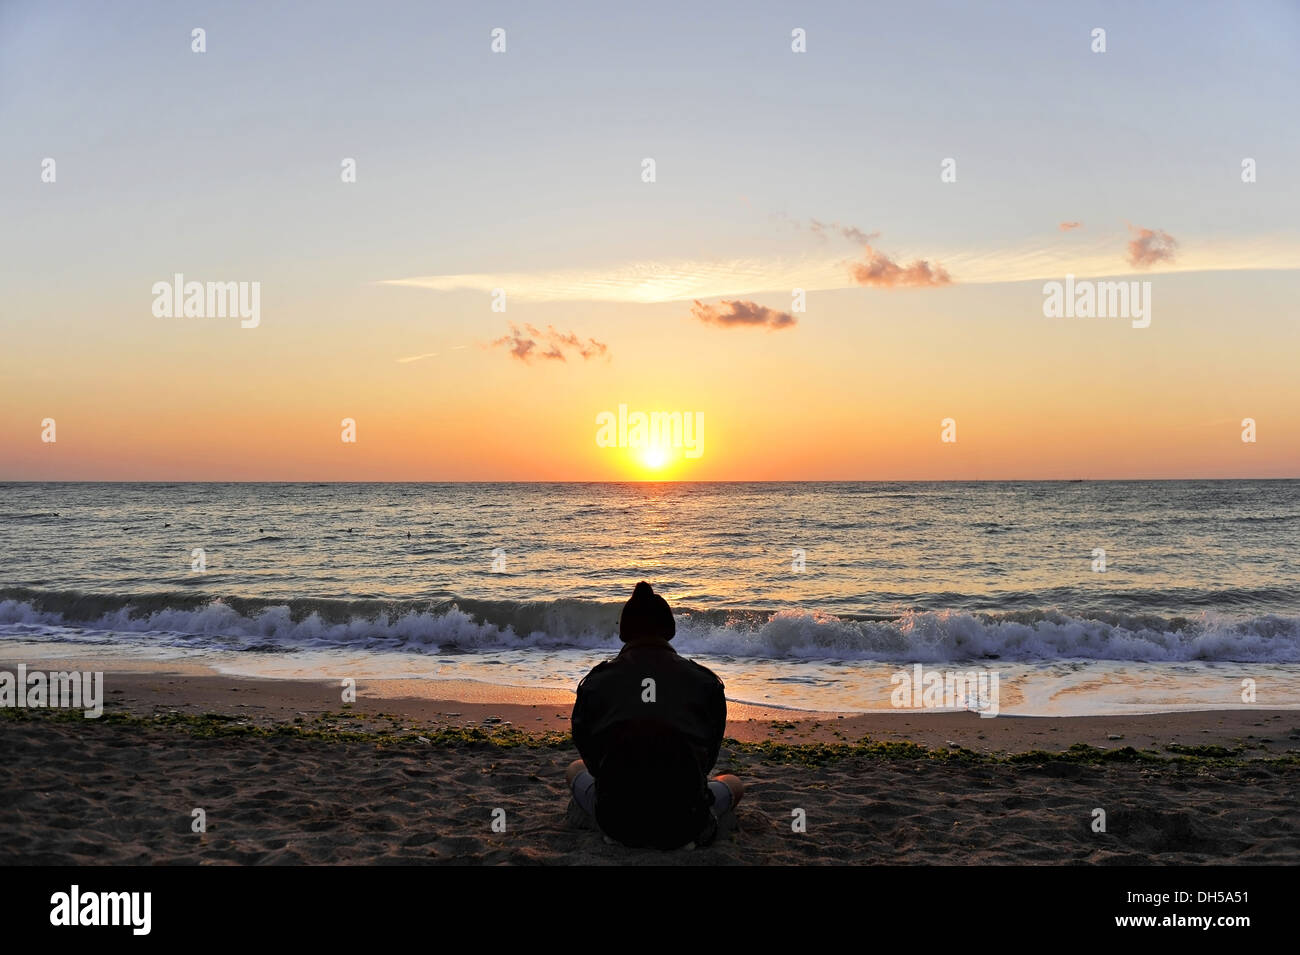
524 171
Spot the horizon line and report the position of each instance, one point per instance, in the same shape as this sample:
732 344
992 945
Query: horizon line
1090 480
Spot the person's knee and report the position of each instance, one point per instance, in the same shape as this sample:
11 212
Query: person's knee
734 784
575 768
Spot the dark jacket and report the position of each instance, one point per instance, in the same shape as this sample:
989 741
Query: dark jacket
651 760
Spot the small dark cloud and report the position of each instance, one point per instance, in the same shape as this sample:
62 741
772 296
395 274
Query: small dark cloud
1149 246
880 271
1069 226
737 313
876 268
588 349
529 342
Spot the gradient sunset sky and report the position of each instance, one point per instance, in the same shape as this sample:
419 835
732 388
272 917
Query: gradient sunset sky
774 170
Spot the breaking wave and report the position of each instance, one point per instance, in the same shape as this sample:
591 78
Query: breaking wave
467 625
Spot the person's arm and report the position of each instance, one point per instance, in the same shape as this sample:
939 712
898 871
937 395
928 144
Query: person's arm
581 723
718 712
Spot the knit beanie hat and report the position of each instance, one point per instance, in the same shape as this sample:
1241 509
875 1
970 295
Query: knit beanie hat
646 616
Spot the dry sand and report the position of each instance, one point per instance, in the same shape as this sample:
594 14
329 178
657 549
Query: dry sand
96 791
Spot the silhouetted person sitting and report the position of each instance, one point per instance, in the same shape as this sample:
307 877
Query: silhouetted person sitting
649 725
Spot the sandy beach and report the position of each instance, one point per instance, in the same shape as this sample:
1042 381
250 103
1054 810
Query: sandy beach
285 773
399 404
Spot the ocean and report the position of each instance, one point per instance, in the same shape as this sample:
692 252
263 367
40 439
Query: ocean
1085 597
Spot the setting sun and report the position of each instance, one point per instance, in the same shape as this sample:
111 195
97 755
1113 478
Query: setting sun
654 457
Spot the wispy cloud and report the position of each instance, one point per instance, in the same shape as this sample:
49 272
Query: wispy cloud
1149 246
851 232
1070 226
737 313
1035 258
635 282
428 354
529 342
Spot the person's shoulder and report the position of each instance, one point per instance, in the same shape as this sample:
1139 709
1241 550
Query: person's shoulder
703 672
602 667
